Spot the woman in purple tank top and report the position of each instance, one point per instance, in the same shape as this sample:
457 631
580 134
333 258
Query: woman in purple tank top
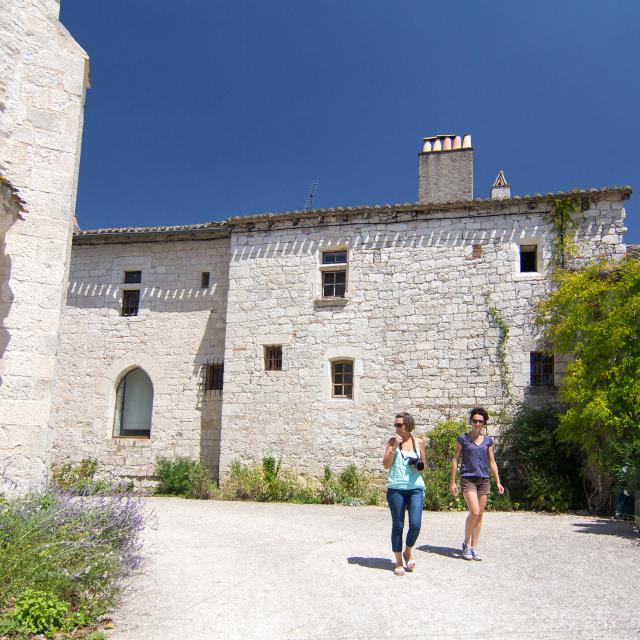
477 461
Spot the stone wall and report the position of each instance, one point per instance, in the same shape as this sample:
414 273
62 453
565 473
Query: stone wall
415 322
179 328
43 75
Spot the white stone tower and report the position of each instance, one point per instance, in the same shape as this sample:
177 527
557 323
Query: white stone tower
43 78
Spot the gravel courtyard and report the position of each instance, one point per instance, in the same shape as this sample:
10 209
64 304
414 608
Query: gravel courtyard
246 570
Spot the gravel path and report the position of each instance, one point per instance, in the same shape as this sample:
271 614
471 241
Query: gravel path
246 570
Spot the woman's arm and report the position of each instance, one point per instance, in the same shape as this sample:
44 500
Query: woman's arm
453 487
422 450
494 469
389 452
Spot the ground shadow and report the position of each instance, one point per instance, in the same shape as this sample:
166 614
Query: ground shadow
448 552
620 528
373 563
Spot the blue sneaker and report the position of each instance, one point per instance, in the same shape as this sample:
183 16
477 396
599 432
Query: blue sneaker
466 551
476 554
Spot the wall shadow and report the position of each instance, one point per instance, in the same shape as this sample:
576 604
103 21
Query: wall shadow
601 527
6 299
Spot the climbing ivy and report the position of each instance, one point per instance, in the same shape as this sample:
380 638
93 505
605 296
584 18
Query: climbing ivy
498 318
564 223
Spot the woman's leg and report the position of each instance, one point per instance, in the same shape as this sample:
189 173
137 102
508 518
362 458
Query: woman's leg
477 527
396 505
471 498
415 506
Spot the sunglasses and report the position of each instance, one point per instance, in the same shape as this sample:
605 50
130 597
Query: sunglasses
478 421
398 424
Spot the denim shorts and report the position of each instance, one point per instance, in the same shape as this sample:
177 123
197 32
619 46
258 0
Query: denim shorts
472 484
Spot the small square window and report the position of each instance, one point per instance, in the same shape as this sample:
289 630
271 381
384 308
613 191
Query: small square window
273 358
528 258
204 280
476 251
334 284
541 369
342 379
130 302
334 257
214 377
132 277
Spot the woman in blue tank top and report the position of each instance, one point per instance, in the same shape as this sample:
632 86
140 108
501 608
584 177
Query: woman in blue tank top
404 459
477 462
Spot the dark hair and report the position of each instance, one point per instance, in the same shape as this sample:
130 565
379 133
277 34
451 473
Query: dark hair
409 422
480 412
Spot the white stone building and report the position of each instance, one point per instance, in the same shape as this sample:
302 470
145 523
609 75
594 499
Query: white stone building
296 334
327 322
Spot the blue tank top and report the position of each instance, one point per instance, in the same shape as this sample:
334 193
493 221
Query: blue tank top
401 475
475 457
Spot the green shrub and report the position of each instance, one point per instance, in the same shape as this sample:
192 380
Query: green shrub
546 492
40 611
80 479
437 474
268 482
182 476
541 471
64 559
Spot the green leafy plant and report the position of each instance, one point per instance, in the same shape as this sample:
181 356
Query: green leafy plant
565 223
547 493
80 478
503 326
40 611
182 476
593 315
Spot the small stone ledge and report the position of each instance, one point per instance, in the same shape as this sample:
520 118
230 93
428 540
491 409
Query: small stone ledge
330 302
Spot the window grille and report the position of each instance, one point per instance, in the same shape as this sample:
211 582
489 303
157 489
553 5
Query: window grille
130 302
342 378
541 370
273 358
214 377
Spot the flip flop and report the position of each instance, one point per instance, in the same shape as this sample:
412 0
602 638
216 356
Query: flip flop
398 571
411 564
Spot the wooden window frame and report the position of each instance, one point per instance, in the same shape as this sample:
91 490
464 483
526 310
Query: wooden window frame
338 379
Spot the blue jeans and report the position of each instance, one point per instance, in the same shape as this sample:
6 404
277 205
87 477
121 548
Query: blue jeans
399 500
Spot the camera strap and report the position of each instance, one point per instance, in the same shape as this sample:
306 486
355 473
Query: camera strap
413 442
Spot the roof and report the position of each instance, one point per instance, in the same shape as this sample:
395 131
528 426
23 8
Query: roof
224 227
633 251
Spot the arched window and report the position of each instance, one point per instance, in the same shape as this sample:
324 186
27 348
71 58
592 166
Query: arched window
134 402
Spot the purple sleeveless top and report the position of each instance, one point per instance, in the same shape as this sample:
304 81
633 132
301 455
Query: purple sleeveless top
475 457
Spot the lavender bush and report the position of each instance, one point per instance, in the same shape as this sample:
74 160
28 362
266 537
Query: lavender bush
79 549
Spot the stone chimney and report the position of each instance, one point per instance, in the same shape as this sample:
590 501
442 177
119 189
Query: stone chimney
500 189
445 169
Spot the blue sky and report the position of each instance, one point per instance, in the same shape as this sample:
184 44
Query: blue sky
204 109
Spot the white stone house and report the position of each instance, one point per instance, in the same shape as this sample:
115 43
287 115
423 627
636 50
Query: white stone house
296 334
324 322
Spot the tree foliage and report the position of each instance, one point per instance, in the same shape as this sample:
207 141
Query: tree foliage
594 314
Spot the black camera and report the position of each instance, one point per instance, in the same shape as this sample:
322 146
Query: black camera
417 463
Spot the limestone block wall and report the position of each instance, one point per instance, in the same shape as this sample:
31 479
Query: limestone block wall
416 324
179 328
43 75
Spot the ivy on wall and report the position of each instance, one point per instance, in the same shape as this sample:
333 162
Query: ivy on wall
565 223
503 365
